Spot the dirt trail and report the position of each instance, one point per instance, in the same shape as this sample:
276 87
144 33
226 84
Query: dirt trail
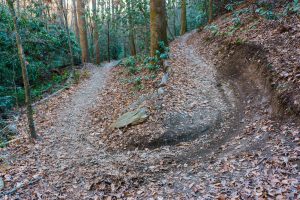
67 151
73 163
205 103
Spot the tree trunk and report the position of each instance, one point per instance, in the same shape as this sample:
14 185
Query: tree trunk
108 18
158 24
18 8
82 31
32 132
75 20
174 19
65 20
131 29
210 11
113 14
183 17
96 34
108 40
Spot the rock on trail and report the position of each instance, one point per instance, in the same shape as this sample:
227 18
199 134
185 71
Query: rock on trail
197 156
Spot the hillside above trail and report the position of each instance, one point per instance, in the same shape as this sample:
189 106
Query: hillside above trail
211 132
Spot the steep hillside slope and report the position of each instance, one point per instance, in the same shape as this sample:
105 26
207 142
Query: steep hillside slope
224 126
271 38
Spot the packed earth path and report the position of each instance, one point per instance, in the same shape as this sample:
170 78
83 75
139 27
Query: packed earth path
214 160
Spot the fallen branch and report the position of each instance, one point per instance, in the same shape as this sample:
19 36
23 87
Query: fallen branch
51 95
11 141
12 191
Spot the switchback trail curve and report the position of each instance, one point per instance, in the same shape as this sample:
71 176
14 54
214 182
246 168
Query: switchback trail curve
71 162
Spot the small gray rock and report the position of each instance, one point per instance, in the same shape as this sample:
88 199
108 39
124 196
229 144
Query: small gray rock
164 80
1 184
10 129
132 118
160 91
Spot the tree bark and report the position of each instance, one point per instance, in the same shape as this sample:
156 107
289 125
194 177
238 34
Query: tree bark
108 18
96 33
65 20
158 25
18 8
183 18
131 28
82 31
29 109
75 20
174 19
108 40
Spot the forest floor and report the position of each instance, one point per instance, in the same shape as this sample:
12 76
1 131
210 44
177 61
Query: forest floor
212 137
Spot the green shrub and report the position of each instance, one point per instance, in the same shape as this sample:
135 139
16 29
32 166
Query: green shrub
138 83
45 47
6 103
152 67
214 29
76 77
265 10
129 62
236 20
293 7
153 64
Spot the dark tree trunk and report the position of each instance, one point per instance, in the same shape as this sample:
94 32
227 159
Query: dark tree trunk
131 29
32 132
75 20
96 33
65 19
82 31
183 17
158 24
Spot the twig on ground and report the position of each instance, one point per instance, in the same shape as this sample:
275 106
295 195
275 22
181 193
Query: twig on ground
12 191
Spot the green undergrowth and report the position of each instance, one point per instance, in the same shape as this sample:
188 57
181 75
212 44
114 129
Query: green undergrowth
12 96
142 69
47 54
258 9
11 99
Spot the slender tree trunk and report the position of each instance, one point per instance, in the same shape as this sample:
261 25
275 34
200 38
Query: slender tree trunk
131 29
124 47
108 40
210 11
132 44
15 88
108 18
96 33
146 39
32 132
75 20
183 18
65 20
82 31
158 24
18 8
113 14
102 17
174 19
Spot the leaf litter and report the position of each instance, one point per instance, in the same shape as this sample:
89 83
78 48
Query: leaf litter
78 156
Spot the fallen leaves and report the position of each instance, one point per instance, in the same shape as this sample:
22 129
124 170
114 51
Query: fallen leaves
259 160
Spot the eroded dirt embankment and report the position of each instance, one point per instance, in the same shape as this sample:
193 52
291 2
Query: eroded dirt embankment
211 135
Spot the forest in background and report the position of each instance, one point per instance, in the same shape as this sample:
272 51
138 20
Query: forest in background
149 99
115 29
60 34
110 30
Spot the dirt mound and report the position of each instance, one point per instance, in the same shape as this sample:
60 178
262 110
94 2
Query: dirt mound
213 134
275 43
